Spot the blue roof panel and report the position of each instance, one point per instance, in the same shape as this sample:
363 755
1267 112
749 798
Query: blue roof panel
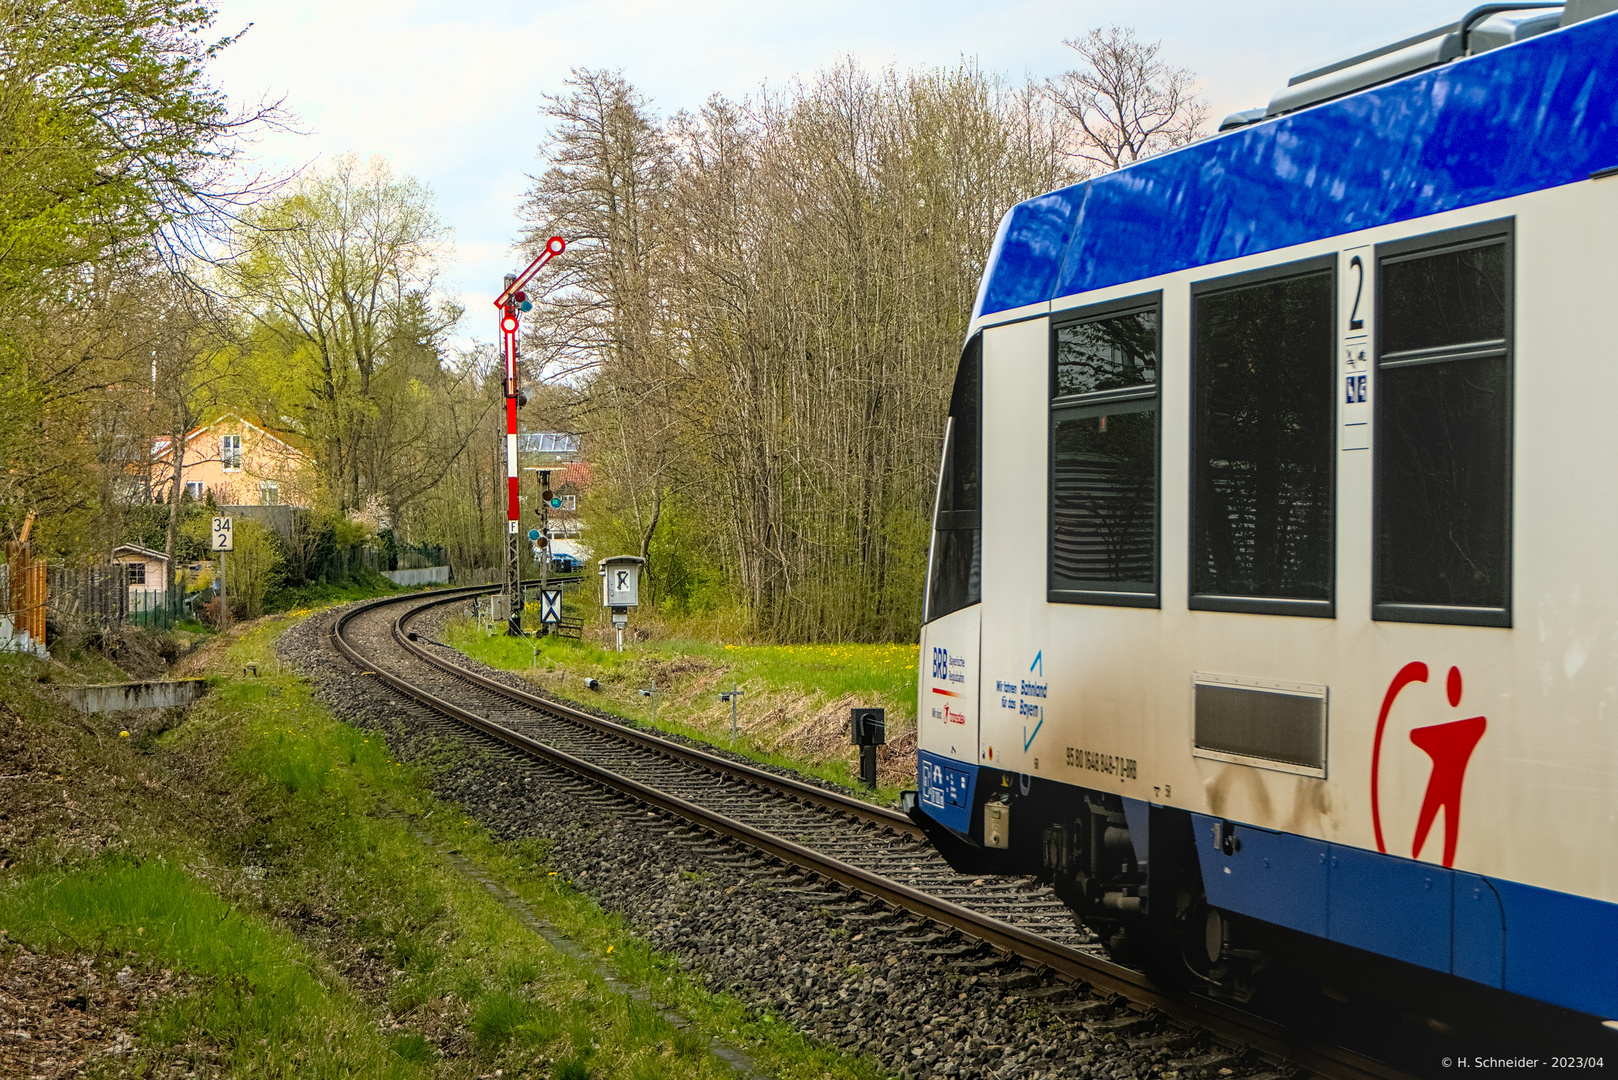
1533 115
1028 250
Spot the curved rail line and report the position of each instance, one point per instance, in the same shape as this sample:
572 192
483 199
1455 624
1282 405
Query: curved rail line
1268 1040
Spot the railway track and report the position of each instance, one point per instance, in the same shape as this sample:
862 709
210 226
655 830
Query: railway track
869 850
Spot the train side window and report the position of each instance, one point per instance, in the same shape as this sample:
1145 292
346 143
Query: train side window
1263 432
954 568
1442 465
1104 437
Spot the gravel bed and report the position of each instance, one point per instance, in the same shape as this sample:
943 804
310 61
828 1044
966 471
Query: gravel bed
920 1001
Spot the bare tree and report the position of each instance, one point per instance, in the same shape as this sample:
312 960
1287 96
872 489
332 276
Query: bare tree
1125 100
603 318
187 370
758 319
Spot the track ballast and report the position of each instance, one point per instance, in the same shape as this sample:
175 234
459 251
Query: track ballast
867 860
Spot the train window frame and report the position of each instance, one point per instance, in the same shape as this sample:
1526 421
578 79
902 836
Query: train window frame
1097 400
1501 231
1264 605
961 521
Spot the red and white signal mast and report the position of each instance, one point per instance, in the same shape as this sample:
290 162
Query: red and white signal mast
512 301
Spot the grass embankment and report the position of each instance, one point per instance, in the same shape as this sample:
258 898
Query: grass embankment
297 880
297 598
793 710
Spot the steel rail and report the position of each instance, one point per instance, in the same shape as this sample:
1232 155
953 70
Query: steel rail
829 800
1237 1029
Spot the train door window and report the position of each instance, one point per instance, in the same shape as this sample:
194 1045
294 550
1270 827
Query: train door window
954 570
1104 455
1262 439
1442 504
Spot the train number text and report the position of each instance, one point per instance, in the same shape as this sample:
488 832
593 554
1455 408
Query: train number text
1124 768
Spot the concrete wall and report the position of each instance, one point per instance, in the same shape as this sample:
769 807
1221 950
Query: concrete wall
151 695
14 640
278 518
427 575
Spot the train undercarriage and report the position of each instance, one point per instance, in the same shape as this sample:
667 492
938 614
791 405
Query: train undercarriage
1130 872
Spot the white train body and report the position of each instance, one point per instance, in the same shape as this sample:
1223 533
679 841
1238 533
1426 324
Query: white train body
1290 727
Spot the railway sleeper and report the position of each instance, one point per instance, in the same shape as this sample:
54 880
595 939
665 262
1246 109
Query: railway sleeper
1017 979
1127 1024
1169 1040
1046 993
1216 1059
867 917
1078 1010
948 952
976 967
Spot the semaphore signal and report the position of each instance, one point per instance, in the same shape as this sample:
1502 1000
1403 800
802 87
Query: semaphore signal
511 302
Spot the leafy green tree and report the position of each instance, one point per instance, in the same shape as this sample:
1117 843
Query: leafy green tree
118 162
114 135
345 348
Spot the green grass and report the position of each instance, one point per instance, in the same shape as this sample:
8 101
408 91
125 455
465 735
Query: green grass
310 859
885 672
877 671
261 996
796 679
310 596
86 665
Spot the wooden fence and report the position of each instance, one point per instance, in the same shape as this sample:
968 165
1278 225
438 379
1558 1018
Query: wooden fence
25 590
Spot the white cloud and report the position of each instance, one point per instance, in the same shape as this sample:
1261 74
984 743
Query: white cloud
450 92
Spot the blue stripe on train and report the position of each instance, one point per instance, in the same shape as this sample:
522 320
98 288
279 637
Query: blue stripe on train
1542 944
1534 115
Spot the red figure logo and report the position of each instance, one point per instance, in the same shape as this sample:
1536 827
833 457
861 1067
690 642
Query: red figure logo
1450 745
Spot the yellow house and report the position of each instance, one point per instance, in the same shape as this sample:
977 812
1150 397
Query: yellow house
240 463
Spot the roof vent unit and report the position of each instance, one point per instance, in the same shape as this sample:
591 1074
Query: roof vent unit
1507 27
1356 73
1242 119
1483 28
1579 10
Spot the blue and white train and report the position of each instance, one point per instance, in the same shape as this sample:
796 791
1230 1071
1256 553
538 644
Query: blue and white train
1273 600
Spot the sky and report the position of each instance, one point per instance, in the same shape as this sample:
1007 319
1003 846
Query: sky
449 92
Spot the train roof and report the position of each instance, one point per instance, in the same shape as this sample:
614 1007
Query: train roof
1536 114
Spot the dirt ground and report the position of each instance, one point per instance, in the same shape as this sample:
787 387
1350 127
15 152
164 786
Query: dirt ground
70 1016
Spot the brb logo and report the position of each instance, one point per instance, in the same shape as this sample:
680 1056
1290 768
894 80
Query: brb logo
1450 747
941 664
